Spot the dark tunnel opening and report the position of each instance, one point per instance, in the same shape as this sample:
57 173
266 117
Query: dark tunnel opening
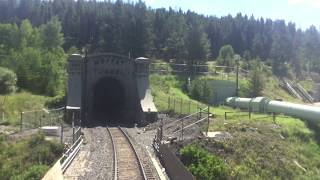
109 102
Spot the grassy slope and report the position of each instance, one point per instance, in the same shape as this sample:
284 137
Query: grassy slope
16 103
27 158
272 90
307 84
165 86
260 148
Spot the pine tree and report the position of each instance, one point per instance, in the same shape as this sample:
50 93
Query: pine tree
256 79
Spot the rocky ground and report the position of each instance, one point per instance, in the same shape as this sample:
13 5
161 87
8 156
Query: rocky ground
94 160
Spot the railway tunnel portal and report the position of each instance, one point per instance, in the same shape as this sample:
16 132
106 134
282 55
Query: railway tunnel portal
109 89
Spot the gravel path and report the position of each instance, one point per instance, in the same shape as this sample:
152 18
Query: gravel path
94 160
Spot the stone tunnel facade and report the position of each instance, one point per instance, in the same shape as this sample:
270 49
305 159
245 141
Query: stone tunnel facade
109 89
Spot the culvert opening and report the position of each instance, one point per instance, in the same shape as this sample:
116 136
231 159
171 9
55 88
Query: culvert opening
109 102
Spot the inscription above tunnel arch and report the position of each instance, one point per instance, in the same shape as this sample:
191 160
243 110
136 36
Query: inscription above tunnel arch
110 64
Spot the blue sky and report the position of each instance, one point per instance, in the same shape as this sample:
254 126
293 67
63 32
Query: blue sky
303 12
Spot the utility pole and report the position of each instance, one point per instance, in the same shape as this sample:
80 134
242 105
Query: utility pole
237 57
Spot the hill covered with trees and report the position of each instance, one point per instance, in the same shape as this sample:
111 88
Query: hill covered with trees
36 34
170 34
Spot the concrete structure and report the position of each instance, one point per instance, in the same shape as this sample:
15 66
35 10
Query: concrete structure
55 173
221 90
51 130
110 88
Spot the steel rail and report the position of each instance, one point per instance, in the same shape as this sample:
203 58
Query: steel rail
136 154
114 174
115 156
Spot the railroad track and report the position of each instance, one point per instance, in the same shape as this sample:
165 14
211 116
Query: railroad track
127 164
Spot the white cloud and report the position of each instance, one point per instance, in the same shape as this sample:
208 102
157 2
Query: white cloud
294 2
150 1
314 3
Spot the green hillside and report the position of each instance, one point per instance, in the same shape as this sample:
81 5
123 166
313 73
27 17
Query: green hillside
15 103
258 148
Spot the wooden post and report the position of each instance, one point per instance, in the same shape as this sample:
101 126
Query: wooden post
21 121
61 135
72 127
174 105
182 129
36 118
40 119
197 110
274 117
161 129
189 106
208 120
180 105
237 77
168 103
225 115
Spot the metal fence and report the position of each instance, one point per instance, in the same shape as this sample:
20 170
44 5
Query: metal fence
230 115
38 118
225 72
69 132
182 107
187 127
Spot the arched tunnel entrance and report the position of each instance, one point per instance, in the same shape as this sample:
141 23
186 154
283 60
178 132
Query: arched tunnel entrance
108 102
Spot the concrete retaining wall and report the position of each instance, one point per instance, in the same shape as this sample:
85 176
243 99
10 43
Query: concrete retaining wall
221 90
174 167
55 173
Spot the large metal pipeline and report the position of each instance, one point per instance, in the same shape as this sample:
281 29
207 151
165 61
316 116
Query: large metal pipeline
265 105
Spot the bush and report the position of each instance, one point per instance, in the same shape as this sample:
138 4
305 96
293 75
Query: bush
33 173
28 158
226 56
56 102
8 80
256 80
202 164
43 150
201 91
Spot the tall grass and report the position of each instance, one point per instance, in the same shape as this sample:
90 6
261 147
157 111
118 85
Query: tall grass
12 105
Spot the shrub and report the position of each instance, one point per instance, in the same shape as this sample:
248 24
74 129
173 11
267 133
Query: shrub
27 158
256 80
57 101
201 91
8 81
226 56
202 164
43 150
33 173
